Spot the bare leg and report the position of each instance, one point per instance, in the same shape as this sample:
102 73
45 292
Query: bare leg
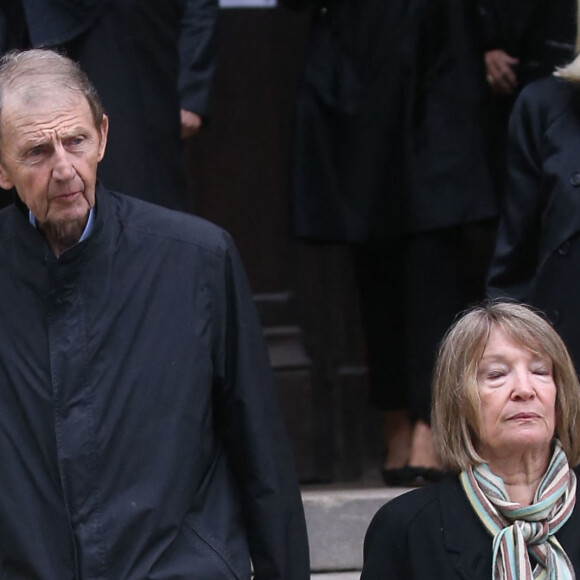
397 430
422 452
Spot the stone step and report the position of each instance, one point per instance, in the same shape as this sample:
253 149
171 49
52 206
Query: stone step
339 576
337 520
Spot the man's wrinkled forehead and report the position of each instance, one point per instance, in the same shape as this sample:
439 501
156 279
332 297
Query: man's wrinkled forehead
23 96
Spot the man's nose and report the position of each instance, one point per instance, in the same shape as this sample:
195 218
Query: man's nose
63 168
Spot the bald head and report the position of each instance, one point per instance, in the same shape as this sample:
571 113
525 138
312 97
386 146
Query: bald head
34 74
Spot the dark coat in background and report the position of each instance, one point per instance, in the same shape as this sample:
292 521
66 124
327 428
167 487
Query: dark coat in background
137 53
389 133
434 533
141 436
537 256
540 33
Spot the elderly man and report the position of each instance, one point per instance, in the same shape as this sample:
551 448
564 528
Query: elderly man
147 59
140 433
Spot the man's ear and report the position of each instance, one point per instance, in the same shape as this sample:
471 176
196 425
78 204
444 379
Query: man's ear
103 140
5 181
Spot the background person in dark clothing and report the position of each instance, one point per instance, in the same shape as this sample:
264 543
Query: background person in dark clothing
524 41
537 252
149 59
140 430
389 156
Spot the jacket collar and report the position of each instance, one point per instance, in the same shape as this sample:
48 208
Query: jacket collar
33 243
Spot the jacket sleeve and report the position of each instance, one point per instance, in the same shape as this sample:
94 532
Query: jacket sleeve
490 27
197 54
253 431
515 261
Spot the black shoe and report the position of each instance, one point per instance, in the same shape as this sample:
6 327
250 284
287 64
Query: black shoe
411 476
420 476
396 477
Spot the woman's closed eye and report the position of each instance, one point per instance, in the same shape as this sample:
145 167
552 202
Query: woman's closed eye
492 374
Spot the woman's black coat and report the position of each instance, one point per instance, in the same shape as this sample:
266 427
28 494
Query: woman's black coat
434 533
537 255
388 128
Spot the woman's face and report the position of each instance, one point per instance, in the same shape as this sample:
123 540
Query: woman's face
518 397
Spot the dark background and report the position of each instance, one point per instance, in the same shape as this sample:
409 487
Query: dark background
239 167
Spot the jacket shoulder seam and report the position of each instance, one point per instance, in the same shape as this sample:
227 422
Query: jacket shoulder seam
217 249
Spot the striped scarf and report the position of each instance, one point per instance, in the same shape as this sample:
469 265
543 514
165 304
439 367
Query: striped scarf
525 534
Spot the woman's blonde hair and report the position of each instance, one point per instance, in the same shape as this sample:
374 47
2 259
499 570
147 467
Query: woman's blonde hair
571 71
456 417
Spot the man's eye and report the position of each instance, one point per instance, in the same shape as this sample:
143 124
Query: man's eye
35 152
77 141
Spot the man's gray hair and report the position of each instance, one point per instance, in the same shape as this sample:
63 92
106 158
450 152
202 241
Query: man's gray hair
25 70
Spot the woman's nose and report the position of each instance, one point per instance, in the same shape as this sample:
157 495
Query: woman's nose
523 386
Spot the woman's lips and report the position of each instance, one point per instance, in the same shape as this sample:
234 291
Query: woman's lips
519 416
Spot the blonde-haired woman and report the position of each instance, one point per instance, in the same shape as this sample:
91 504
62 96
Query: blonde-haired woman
506 418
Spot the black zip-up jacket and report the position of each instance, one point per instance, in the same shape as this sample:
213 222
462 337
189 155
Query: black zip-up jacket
140 431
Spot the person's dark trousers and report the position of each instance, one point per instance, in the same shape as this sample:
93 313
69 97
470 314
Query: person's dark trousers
411 288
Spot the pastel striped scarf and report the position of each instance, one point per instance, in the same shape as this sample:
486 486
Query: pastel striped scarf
525 534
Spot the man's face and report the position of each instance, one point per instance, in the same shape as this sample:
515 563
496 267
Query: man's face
49 151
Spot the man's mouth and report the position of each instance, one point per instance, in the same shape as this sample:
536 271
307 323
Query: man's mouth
68 196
